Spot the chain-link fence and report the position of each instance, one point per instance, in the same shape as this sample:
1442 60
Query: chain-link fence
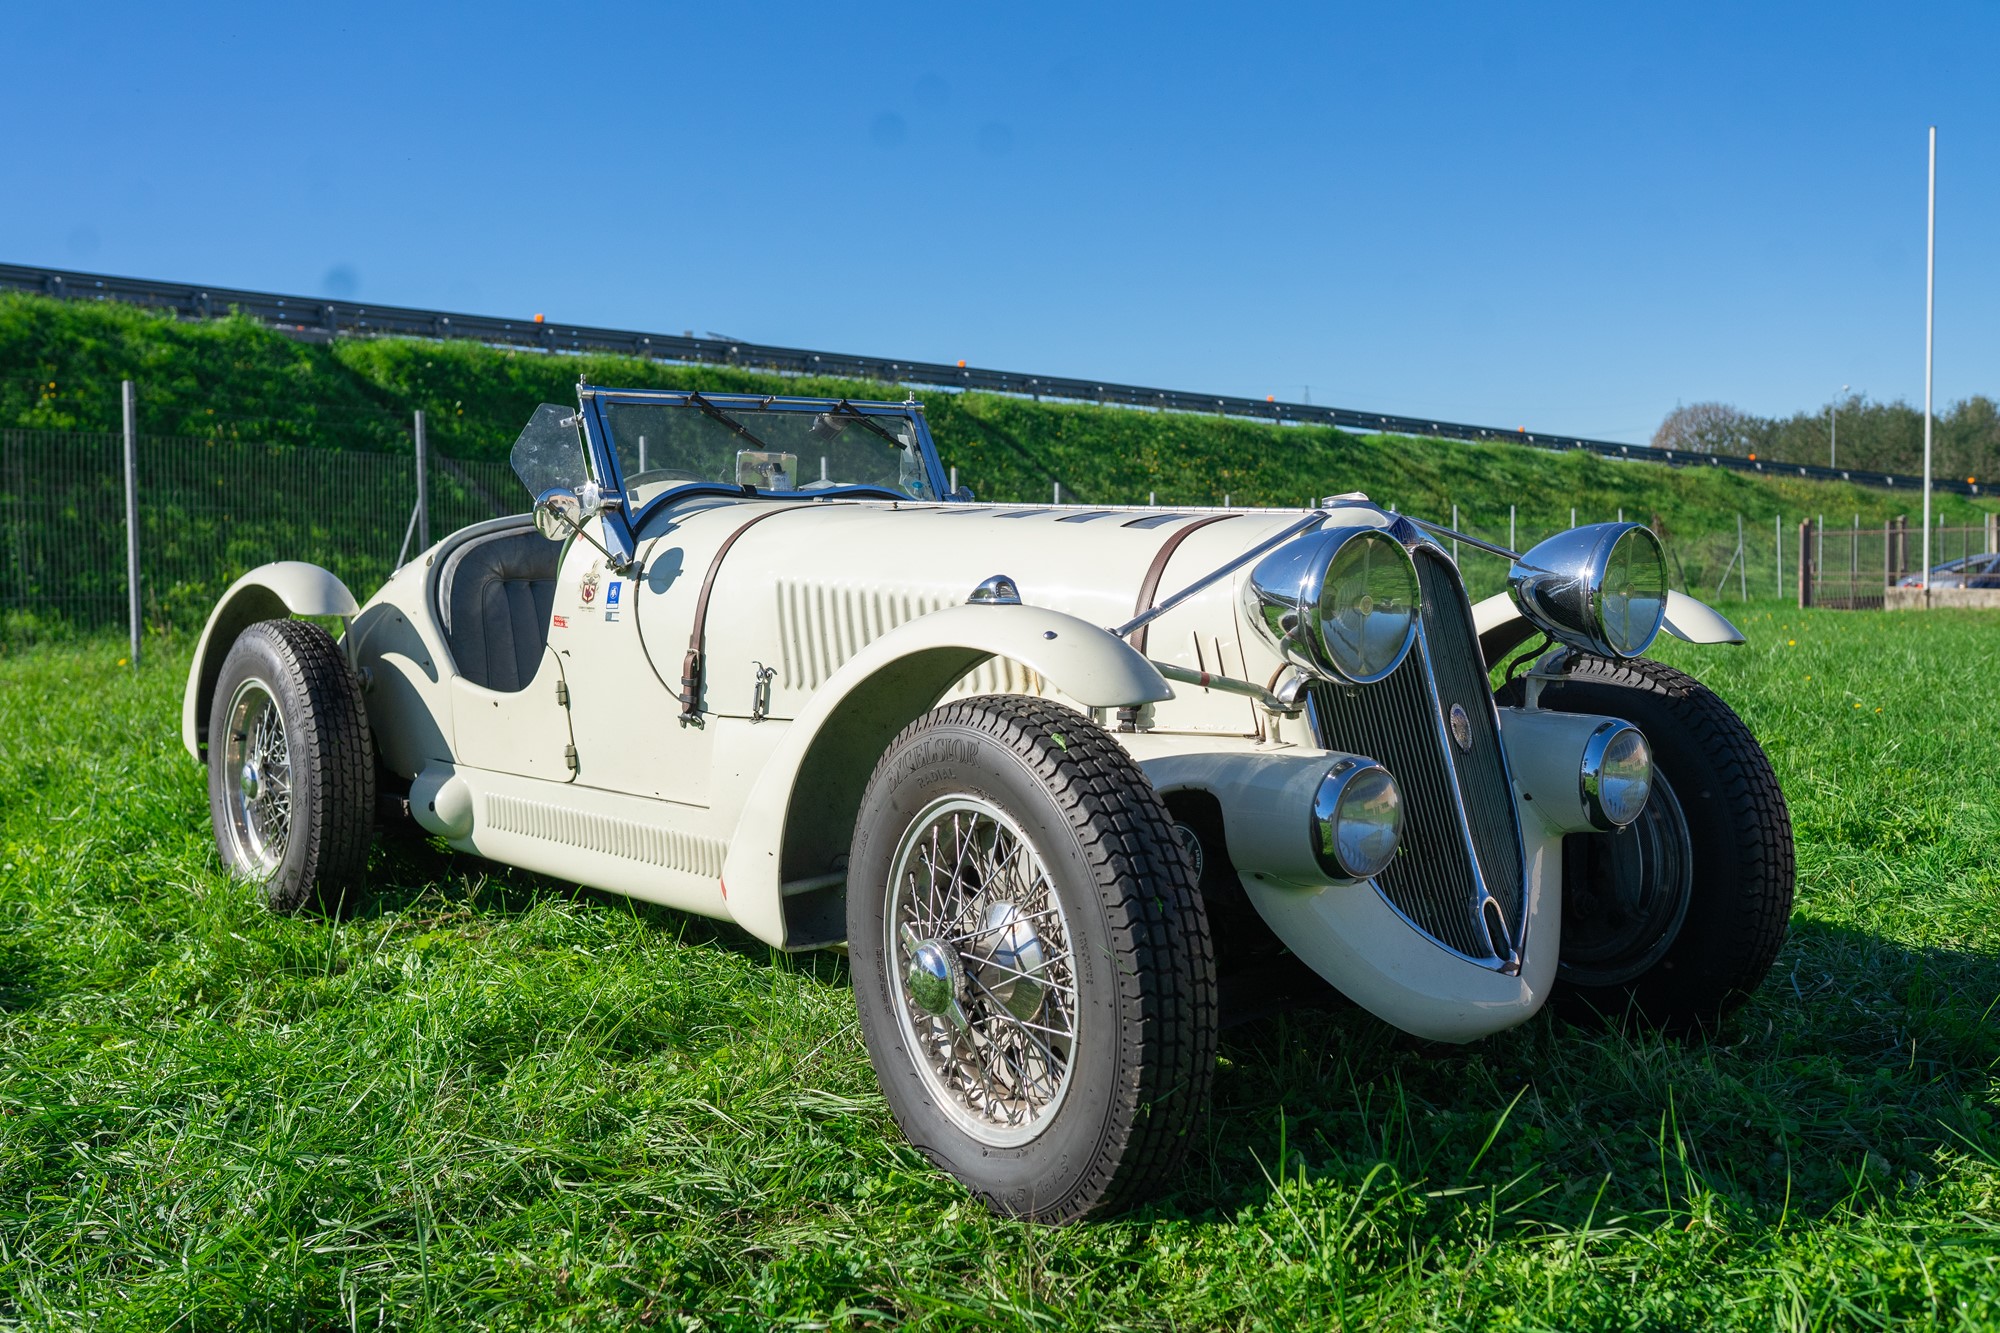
208 511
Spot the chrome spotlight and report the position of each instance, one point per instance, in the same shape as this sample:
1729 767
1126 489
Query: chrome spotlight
1602 588
1357 820
1341 602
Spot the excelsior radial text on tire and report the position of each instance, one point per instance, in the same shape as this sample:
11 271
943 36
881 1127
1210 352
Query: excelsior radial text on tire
1031 959
291 767
1676 919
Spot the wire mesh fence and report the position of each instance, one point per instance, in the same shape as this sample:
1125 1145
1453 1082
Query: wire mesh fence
209 511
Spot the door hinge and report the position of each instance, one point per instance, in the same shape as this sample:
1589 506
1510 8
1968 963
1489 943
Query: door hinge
569 757
562 694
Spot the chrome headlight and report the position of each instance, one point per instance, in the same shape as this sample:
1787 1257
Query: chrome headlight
1341 603
1617 774
1602 588
1357 821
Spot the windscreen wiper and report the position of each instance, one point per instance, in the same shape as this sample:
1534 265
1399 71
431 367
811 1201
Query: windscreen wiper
849 410
711 410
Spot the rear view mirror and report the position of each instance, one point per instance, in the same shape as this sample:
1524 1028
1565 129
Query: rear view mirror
558 513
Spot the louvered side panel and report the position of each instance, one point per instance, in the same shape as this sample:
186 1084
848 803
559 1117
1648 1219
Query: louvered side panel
649 844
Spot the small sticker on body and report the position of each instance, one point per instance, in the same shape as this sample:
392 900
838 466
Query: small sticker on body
611 600
559 622
586 592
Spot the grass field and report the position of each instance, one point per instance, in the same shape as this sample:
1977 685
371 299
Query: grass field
493 1101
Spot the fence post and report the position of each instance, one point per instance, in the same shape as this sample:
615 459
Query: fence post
1992 533
1887 578
1454 540
954 479
1778 550
423 486
1805 563
1056 494
1512 545
130 393
1742 562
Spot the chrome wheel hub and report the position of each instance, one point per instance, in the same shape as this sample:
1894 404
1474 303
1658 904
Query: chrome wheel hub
987 1000
257 749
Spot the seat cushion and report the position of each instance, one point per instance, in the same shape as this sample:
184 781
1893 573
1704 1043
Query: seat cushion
495 596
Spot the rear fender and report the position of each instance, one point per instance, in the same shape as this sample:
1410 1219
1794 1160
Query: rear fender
268 592
782 874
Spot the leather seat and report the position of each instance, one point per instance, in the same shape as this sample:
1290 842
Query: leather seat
495 596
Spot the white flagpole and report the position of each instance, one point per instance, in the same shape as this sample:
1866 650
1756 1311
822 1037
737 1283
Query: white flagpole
1930 324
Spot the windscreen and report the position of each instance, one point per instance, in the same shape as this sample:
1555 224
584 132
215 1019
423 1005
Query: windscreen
549 452
667 444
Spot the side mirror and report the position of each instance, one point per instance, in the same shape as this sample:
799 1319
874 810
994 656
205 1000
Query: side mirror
558 513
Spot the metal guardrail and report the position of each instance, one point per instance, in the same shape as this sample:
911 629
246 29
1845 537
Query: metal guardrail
317 318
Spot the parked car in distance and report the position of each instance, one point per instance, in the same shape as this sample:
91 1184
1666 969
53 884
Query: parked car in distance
1055 776
1972 571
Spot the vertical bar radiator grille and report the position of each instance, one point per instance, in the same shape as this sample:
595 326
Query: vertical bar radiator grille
1453 812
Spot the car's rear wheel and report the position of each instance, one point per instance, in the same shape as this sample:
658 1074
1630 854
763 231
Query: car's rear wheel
1674 921
1031 958
291 767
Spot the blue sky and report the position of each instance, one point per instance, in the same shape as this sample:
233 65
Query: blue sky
1563 217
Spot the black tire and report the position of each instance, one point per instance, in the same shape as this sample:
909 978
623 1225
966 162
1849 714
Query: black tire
291 673
1142 1013
1692 929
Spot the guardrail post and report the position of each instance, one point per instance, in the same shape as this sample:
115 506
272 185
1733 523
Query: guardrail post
130 394
423 486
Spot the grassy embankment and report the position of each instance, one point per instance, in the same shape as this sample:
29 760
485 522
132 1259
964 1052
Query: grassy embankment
60 364
492 1101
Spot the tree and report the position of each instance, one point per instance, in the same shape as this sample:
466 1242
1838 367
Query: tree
1706 428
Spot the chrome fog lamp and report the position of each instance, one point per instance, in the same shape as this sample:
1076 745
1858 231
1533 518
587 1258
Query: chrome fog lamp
1342 603
1617 774
1602 588
1357 820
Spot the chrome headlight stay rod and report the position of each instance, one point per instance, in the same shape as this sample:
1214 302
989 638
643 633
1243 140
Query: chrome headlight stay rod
1220 572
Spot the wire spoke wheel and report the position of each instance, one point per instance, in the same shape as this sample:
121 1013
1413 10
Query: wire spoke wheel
977 938
291 767
257 757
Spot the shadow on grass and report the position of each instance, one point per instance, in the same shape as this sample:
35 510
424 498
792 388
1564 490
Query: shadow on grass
22 976
414 872
1861 1069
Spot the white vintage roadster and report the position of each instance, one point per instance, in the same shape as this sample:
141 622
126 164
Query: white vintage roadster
1051 774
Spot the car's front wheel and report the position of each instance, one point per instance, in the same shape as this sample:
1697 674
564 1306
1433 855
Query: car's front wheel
1031 960
291 767
1674 920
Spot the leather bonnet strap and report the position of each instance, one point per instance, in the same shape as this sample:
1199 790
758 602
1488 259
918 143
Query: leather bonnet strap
1149 586
691 665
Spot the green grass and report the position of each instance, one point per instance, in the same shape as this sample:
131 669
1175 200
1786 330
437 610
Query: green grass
491 1100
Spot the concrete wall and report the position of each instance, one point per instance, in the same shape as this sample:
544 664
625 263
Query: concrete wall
1918 599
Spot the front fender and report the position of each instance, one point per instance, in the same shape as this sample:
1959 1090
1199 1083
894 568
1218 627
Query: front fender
799 813
268 592
1502 628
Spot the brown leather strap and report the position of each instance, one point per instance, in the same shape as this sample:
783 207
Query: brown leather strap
1149 586
691 664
